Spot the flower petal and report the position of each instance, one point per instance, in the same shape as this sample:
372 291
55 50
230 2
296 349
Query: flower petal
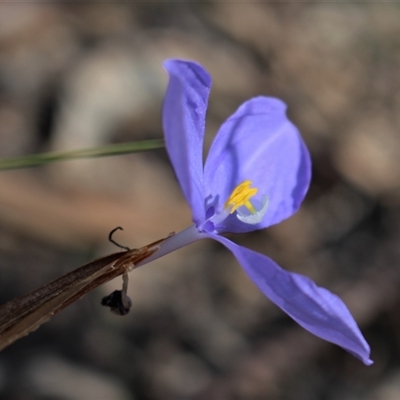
260 144
184 111
314 308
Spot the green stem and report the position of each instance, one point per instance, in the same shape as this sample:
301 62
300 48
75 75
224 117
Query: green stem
110 150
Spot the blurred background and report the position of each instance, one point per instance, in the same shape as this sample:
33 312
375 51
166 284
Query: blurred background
82 75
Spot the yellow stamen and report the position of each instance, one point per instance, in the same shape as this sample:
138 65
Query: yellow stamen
240 196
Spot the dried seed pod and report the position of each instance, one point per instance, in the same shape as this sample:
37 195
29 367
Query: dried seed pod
116 302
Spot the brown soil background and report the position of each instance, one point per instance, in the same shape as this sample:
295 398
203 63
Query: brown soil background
75 75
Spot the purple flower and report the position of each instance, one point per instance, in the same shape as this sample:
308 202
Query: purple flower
256 174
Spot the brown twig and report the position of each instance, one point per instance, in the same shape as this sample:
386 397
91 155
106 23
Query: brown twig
24 314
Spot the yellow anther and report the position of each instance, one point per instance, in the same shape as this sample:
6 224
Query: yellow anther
240 196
